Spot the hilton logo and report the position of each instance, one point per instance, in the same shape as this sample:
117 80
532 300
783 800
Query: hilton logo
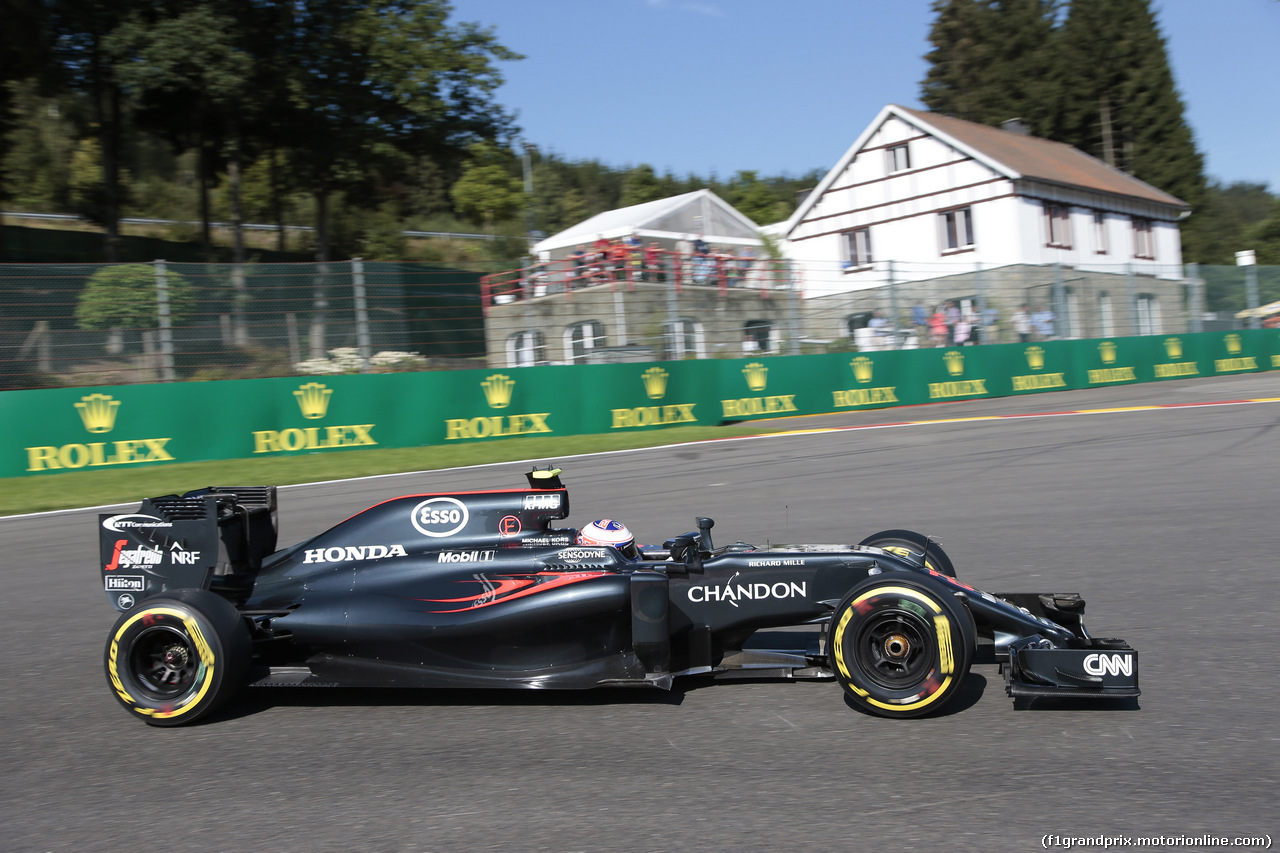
98 412
497 390
655 382
313 400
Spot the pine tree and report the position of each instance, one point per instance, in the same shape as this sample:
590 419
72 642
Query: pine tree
993 60
1122 105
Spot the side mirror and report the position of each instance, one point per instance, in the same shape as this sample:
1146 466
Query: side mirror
684 549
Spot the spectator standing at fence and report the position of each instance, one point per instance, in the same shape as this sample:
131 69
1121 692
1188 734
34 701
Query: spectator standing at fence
1022 324
952 313
580 262
635 257
749 344
920 320
1042 324
962 331
937 328
653 261
990 325
684 252
879 325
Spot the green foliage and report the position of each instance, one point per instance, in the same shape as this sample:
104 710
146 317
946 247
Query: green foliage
124 296
641 184
487 191
1264 238
756 200
1099 81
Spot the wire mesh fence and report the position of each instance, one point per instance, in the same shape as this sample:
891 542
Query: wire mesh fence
86 324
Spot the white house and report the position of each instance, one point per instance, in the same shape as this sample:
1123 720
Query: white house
936 196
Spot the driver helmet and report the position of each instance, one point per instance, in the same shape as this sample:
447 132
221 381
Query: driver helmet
606 531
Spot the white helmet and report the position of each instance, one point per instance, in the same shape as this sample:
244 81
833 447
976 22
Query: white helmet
606 531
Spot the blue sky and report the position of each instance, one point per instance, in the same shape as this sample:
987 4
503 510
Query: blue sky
716 86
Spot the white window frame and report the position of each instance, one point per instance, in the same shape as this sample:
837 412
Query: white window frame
581 338
1057 223
686 339
898 158
1106 314
955 230
1144 240
1149 320
1101 245
856 245
526 348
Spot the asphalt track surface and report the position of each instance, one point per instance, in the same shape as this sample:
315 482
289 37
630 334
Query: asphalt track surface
1165 519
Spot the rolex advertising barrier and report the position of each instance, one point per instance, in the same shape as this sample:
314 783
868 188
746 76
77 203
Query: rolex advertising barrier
45 432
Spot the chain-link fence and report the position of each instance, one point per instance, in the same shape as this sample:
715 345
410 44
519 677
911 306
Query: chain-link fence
84 324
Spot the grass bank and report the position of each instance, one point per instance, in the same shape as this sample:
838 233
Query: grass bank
106 486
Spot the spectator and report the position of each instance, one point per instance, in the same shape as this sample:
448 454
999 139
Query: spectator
750 344
879 324
938 328
653 261
952 313
961 331
1022 324
684 249
990 325
1042 324
920 320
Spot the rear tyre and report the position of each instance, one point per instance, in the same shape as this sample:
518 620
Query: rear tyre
901 644
909 544
174 658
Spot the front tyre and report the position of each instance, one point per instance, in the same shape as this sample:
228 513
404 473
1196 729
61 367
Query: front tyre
901 644
174 658
913 546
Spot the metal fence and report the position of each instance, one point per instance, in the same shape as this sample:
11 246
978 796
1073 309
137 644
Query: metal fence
89 324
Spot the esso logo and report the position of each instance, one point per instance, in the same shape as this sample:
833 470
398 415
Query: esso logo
439 517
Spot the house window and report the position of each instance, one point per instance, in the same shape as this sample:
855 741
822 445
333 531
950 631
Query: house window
1143 244
1106 314
1099 233
755 336
685 339
581 338
857 248
1149 315
1058 225
957 229
899 158
525 349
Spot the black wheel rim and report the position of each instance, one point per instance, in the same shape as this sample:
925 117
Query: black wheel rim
164 662
894 648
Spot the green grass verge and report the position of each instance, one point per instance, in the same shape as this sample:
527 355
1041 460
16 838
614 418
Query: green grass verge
106 486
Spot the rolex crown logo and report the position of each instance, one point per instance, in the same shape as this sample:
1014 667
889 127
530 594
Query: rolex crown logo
313 400
1035 357
757 375
497 390
98 411
655 382
1173 347
1233 343
861 368
955 362
1107 349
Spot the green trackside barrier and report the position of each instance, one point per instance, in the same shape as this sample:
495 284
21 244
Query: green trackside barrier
45 432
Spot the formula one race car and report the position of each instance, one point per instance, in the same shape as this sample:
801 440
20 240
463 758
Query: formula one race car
477 589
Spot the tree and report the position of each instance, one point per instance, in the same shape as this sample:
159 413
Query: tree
1123 106
487 191
123 296
754 199
639 185
993 60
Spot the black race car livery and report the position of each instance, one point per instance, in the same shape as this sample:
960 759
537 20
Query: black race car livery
479 589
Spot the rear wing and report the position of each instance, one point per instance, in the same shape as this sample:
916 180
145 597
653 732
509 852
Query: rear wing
212 538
